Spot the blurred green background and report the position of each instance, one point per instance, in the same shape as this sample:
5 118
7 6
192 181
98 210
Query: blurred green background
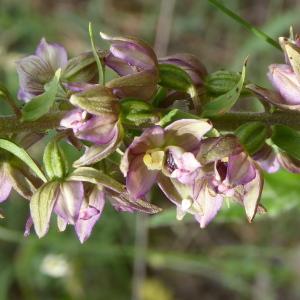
155 258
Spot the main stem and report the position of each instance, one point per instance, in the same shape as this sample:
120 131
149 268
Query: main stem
228 122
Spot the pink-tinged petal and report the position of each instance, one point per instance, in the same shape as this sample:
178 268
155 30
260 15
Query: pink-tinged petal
119 66
208 203
134 52
267 158
55 55
187 133
188 63
168 188
61 224
5 184
286 82
181 165
241 169
272 97
74 119
289 163
151 138
69 201
252 194
89 215
98 129
28 226
33 73
139 179
96 153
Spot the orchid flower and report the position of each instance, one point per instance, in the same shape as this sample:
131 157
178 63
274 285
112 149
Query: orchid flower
147 155
38 69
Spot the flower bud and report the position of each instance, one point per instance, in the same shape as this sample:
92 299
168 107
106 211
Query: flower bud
82 68
220 82
252 136
55 163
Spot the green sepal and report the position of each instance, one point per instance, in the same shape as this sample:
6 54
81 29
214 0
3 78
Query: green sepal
252 135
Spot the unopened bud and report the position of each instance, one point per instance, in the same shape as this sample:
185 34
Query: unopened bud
220 82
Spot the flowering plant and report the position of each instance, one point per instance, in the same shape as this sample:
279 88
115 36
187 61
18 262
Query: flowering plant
159 121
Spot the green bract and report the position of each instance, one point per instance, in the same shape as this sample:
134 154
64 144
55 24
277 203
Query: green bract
287 139
40 105
225 102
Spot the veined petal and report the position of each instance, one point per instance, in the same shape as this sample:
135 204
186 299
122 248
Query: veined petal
187 133
74 119
289 163
267 158
241 169
134 52
151 138
90 214
53 54
33 73
286 82
69 200
5 184
139 179
210 203
96 153
98 129
252 195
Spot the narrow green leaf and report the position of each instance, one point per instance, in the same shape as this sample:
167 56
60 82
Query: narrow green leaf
224 103
287 139
100 66
88 174
41 206
41 104
245 23
22 155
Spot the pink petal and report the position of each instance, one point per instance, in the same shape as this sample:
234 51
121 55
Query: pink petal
55 55
69 201
90 215
5 185
139 179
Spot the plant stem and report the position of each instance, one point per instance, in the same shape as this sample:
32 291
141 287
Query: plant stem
227 122
245 23
11 124
231 121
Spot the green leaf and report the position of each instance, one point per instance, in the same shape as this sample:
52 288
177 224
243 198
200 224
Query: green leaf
55 162
287 139
224 103
100 65
41 104
88 174
41 206
22 155
252 135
